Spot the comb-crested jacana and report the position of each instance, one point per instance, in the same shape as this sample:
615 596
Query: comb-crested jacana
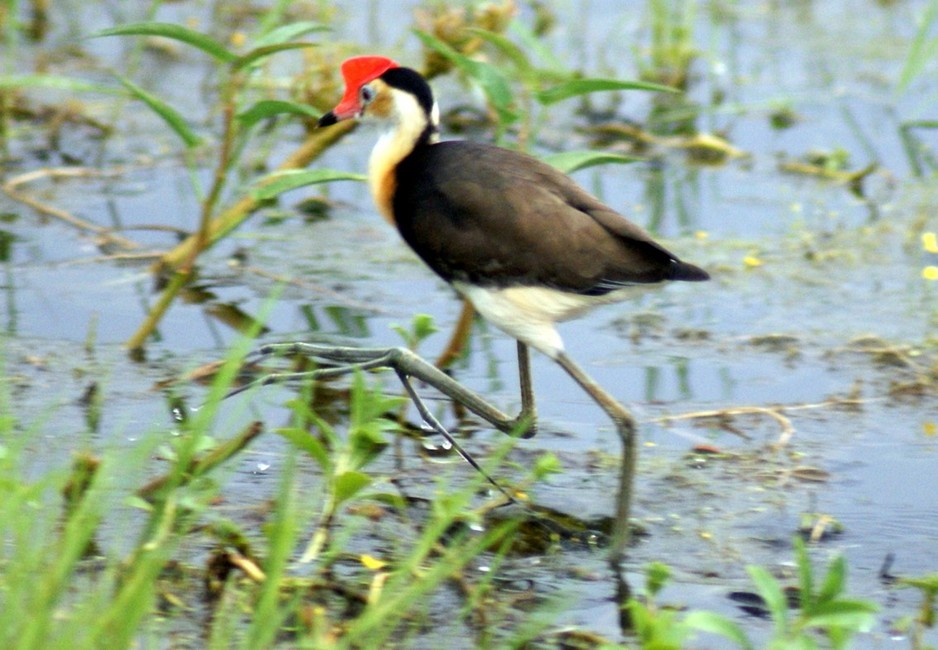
520 240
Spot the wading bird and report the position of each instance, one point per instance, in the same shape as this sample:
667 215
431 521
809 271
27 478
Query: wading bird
520 240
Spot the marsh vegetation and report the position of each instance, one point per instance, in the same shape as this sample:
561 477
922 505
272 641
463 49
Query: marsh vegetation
168 208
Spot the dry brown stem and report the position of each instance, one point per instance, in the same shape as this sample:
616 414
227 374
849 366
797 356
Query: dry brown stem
106 236
776 413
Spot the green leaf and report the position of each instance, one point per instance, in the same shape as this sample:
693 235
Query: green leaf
423 326
531 42
170 115
656 576
365 444
348 484
834 581
392 499
923 48
716 624
139 503
927 583
176 32
268 108
853 614
289 32
546 463
576 87
641 619
489 78
571 161
367 420
509 48
772 594
259 53
301 439
277 183
54 82
805 575
920 124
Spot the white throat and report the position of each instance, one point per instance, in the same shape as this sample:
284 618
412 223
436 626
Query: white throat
404 126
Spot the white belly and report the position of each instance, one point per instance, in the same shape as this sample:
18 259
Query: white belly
529 313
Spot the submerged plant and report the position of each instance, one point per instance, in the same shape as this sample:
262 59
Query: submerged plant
823 606
822 610
658 627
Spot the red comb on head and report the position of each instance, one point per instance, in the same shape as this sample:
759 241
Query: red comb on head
361 69
358 71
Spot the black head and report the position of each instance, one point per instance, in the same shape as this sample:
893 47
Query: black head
412 82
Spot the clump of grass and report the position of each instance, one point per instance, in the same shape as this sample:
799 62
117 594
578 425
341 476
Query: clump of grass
63 585
821 610
89 561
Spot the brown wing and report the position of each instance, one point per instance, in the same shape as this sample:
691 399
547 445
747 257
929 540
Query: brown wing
494 217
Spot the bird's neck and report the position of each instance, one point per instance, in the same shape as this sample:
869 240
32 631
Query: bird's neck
411 127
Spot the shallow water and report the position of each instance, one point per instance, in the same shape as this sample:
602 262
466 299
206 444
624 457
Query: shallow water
834 267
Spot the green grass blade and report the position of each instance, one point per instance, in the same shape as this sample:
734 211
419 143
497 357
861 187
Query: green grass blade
531 42
348 484
273 185
920 124
805 575
717 624
577 87
923 48
286 33
136 594
259 53
55 571
272 606
169 115
54 82
834 581
489 78
268 108
571 161
772 594
851 614
307 443
408 587
510 49
175 32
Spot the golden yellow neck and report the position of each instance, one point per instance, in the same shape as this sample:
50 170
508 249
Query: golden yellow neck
409 121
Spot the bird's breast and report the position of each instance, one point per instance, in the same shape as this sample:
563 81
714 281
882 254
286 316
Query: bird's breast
383 186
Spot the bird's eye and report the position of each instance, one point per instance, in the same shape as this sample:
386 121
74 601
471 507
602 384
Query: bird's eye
366 94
